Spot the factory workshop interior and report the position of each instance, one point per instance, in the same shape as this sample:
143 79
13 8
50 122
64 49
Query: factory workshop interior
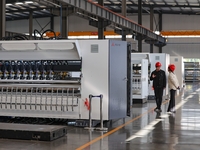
76 74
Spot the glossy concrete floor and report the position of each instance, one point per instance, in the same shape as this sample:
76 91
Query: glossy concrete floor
145 130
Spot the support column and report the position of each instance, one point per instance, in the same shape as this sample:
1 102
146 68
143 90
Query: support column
151 26
100 23
30 24
160 29
124 14
2 18
140 23
65 23
61 20
52 23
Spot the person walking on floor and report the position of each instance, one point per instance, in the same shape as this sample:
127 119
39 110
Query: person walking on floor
159 84
173 86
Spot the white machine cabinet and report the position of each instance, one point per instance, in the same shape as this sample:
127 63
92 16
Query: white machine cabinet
179 71
104 69
53 79
139 79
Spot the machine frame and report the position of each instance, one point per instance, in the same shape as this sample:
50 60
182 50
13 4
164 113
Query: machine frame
99 74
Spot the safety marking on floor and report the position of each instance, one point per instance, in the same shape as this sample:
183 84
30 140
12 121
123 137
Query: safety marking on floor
117 128
164 116
146 130
190 96
193 93
123 125
198 90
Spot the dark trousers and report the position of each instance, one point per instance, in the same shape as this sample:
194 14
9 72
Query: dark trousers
172 100
158 95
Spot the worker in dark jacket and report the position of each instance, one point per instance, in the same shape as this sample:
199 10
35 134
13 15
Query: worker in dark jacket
159 84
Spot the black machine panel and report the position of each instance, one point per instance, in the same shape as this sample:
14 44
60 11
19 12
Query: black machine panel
38 69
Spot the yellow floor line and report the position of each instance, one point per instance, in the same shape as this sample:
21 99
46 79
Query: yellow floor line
116 129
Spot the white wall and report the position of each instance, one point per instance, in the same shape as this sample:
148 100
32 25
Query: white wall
146 20
187 47
181 22
75 24
170 22
22 26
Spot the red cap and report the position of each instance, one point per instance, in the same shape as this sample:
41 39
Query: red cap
158 64
171 67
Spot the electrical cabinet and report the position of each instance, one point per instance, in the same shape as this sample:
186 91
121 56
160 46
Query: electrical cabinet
139 80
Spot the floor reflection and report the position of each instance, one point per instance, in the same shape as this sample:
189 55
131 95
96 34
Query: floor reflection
178 131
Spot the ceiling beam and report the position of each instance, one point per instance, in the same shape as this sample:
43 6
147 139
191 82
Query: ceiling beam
118 20
157 12
157 5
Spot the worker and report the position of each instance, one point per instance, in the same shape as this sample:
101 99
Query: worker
173 86
159 84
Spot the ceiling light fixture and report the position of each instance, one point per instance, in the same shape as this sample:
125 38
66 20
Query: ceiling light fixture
8 4
28 2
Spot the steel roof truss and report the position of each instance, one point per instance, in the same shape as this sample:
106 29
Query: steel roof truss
115 18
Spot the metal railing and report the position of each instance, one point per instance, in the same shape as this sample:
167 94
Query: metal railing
101 114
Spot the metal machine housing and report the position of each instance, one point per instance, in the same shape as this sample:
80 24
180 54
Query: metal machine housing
78 68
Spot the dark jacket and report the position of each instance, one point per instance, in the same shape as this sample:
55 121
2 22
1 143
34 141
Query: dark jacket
160 80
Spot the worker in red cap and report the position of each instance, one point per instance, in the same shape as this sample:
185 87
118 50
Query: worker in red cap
173 86
159 84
